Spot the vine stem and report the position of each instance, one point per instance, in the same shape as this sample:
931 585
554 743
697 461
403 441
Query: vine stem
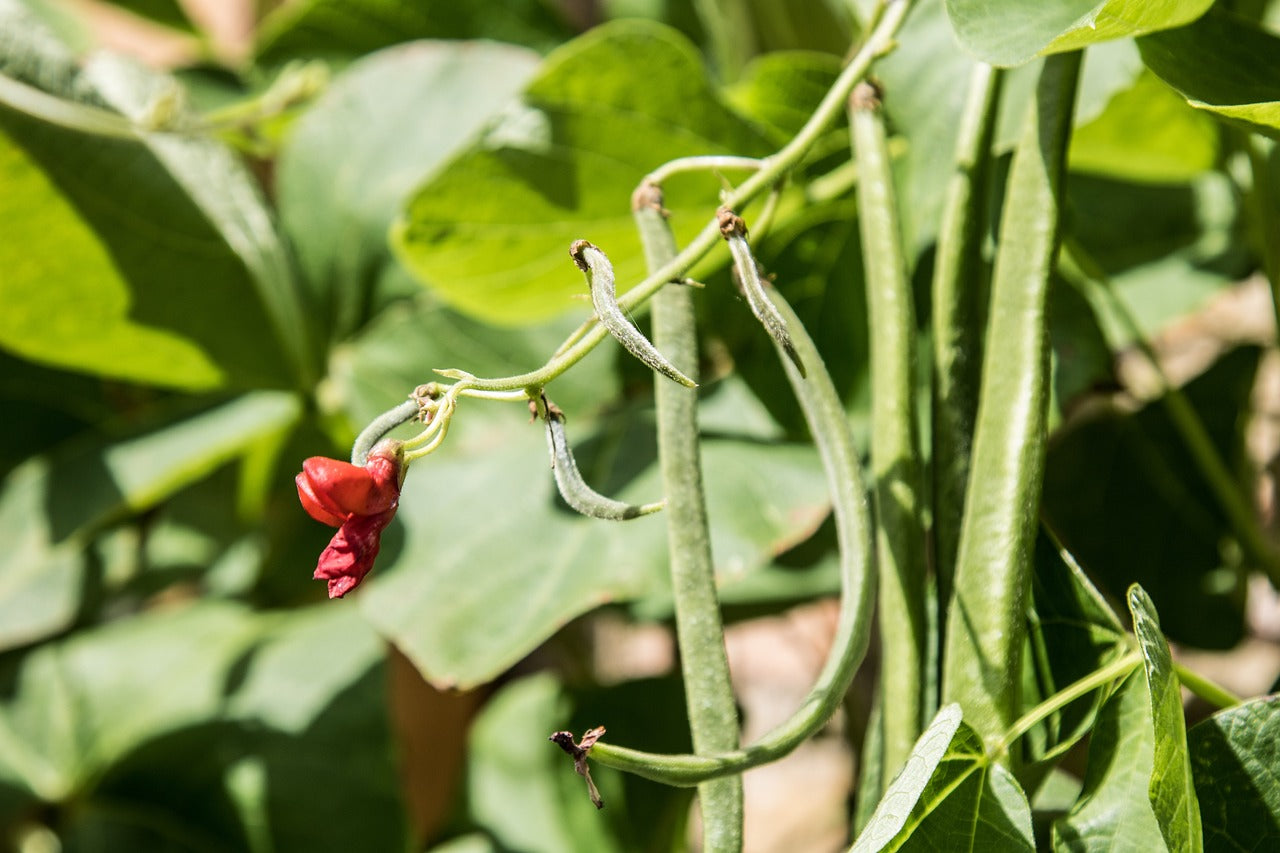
824 413
895 455
772 169
1117 669
709 699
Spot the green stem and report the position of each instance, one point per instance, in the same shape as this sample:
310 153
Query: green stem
1215 694
1232 499
824 412
379 427
986 624
1113 671
958 313
895 456
709 700
772 170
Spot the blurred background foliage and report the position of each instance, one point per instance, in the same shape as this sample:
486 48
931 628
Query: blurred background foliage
185 317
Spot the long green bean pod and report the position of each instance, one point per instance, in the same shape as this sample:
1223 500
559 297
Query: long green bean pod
986 624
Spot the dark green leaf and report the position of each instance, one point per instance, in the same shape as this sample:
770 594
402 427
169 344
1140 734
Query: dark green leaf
49 506
491 232
341 30
1223 64
1234 756
1010 32
385 124
783 89
1125 497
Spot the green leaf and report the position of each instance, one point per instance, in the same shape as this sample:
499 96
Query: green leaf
1147 133
1172 790
783 89
208 728
1222 64
1114 810
522 788
341 30
963 796
1234 755
50 506
384 124
1010 32
491 232
170 246
469 591
1125 497
904 793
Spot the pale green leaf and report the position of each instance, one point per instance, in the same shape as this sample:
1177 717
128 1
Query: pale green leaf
382 127
1146 133
967 796
904 792
1011 32
171 244
491 232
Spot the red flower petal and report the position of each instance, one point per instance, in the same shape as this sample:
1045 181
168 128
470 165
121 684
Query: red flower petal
339 487
315 505
351 552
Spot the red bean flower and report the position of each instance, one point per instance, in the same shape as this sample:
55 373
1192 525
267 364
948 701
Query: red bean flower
360 502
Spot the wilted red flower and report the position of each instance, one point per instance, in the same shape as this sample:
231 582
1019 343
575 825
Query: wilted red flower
360 502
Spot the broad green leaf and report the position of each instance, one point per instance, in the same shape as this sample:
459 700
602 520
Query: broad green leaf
1114 810
50 505
1146 133
783 89
1125 497
965 796
341 30
208 728
490 233
50 250
523 789
384 124
1172 789
1222 64
904 792
1010 32
470 590
182 270
1234 755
